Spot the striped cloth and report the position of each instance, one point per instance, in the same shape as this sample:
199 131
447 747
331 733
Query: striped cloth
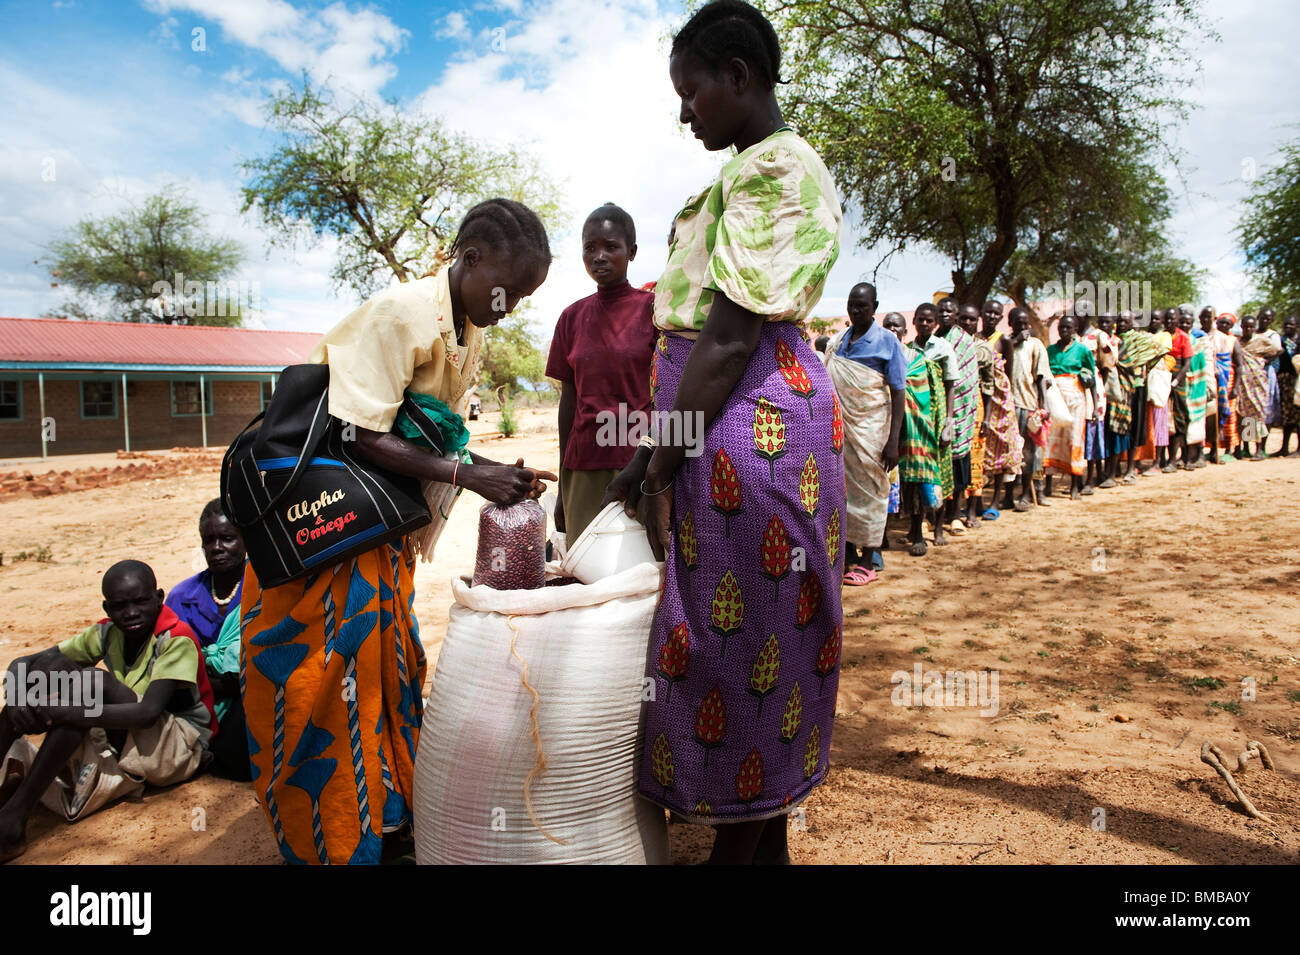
918 444
965 392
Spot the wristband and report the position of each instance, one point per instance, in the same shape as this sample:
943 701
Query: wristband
454 467
645 493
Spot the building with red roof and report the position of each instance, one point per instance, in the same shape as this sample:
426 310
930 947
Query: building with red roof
72 387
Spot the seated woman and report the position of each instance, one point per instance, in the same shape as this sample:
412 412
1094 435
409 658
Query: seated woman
204 600
146 716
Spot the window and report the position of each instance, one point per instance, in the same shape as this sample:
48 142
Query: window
268 389
98 399
11 400
185 398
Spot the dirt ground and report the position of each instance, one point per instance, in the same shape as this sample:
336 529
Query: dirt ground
1121 629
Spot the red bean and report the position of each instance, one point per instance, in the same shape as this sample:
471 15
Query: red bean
511 547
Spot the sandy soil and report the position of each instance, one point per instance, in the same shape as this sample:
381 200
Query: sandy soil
1121 628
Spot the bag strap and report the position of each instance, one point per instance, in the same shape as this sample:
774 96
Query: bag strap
320 421
427 427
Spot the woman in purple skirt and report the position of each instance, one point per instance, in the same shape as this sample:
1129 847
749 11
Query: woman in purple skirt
745 648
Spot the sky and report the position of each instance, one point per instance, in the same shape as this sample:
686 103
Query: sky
103 103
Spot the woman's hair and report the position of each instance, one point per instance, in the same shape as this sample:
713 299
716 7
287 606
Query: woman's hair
617 215
729 28
505 226
213 508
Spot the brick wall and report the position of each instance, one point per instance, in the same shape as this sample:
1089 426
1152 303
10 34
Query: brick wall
152 424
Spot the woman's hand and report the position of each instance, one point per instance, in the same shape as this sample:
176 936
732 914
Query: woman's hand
889 456
626 486
504 485
659 510
945 433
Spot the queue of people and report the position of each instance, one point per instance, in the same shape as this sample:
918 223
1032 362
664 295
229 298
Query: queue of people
1129 396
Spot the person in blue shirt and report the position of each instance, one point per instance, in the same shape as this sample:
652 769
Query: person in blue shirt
869 371
203 600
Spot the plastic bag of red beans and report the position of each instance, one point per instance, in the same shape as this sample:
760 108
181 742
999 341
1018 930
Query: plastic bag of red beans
511 547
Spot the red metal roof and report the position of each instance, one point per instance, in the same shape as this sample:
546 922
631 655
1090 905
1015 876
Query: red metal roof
49 341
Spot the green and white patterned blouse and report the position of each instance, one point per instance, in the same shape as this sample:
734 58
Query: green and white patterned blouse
765 235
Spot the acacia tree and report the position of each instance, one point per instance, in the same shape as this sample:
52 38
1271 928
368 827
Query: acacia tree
1270 231
118 266
981 130
391 188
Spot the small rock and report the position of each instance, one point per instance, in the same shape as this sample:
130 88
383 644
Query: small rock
1121 718
1144 735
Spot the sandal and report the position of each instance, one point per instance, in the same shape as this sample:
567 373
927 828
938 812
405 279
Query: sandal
990 514
858 576
957 528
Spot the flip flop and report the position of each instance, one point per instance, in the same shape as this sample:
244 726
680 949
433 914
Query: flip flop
957 528
859 576
990 514
1088 490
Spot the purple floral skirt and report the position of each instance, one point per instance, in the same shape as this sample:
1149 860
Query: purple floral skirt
745 650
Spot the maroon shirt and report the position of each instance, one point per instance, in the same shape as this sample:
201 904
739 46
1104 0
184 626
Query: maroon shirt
603 346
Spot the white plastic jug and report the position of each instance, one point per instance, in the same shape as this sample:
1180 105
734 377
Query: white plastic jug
612 543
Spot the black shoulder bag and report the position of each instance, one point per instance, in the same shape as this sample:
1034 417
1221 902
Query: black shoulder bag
299 494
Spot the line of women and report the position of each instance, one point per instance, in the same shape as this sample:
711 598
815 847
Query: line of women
1104 404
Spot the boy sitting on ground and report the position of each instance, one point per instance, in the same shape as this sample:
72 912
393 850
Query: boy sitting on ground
146 717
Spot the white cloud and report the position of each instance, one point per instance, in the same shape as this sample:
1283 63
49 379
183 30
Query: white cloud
455 26
348 47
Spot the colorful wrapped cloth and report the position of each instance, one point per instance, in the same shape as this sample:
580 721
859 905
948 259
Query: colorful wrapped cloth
966 390
1252 398
919 453
976 487
1156 428
332 678
1004 450
1190 404
1286 383
865 404
1226 373
1065 441
1274 415
745 648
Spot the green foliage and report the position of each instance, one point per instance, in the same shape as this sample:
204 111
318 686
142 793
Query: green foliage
114 264
391 187
1006 136
508 425
511 355
1269 231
